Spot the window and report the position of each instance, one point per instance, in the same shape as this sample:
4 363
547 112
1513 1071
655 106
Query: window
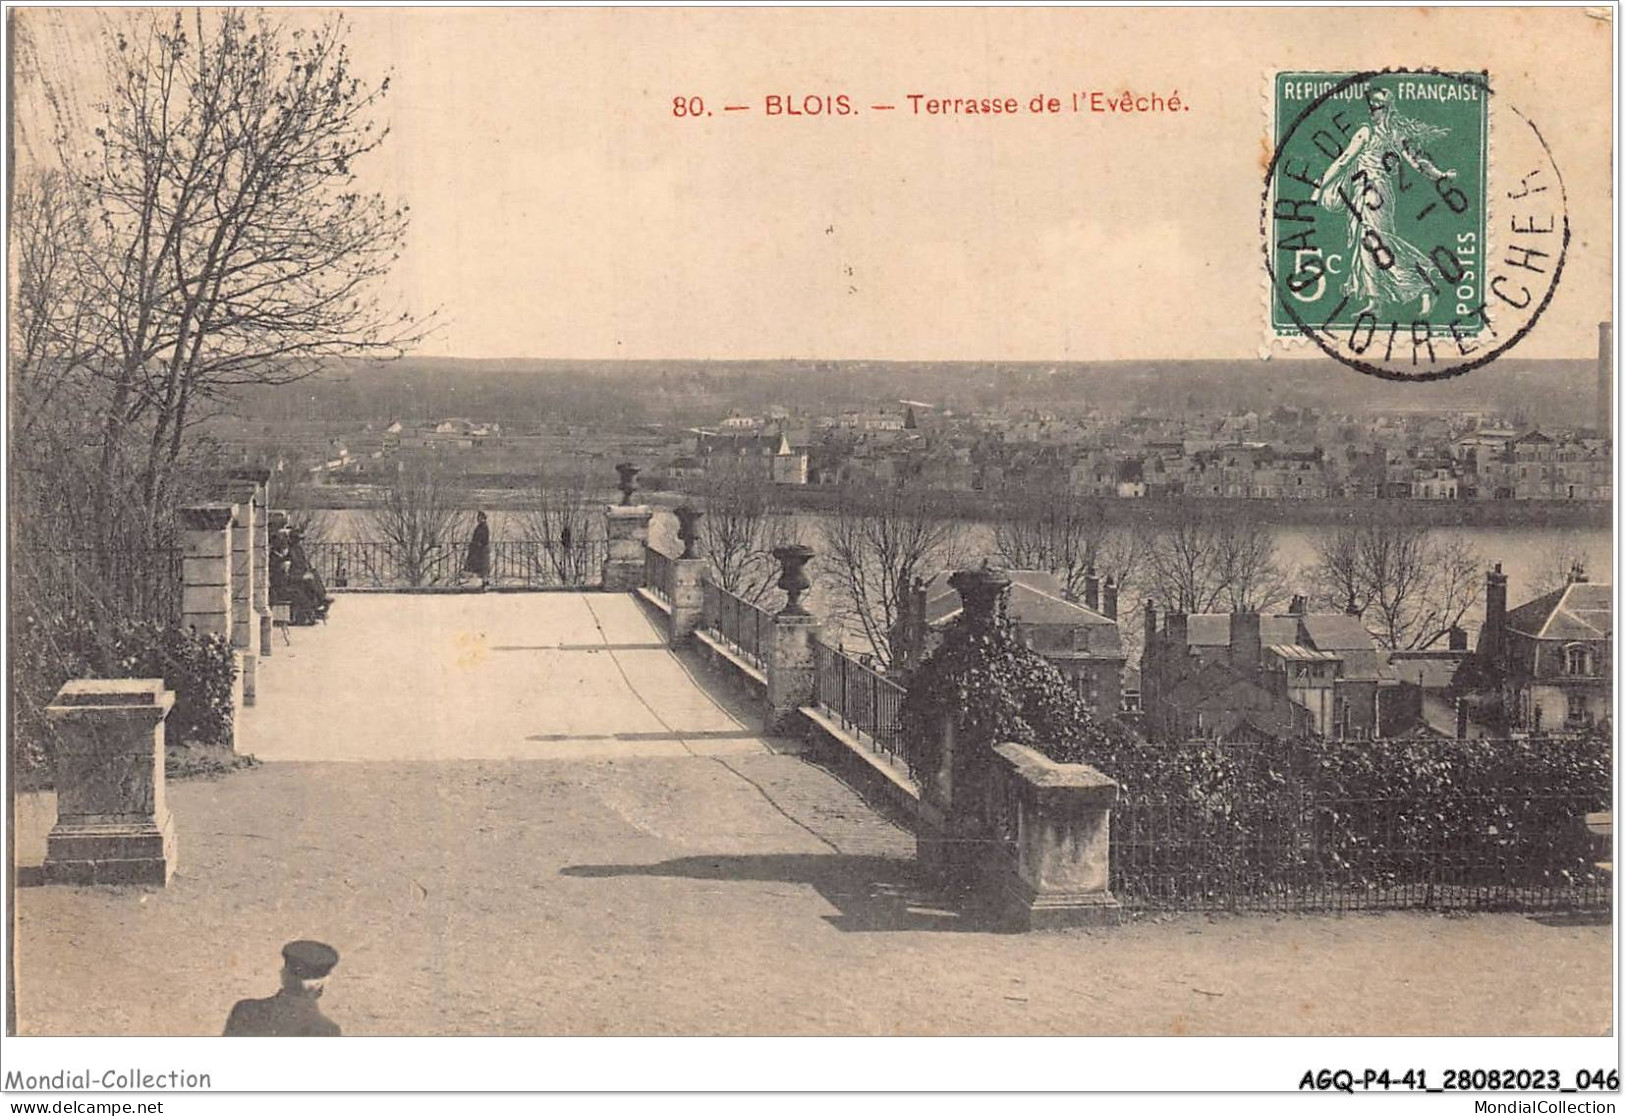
1577 709
1577 660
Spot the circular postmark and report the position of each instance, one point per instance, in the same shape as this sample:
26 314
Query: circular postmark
1405 234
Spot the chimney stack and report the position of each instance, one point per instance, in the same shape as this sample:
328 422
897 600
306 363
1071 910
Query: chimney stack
1299 605
1174 627
1458 638
1091 590
1108 598
1246 640
1490 640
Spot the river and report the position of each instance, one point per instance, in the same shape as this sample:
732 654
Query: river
1525 553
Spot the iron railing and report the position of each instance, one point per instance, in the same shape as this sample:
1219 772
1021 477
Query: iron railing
862 700
1277 844
745 627
514 564
658 571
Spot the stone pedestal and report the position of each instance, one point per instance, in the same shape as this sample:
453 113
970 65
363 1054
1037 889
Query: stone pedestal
113 824
687 597
626 531
1053 858
206 596
792 671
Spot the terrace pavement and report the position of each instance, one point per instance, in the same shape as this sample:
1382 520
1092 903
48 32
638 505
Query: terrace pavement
519 814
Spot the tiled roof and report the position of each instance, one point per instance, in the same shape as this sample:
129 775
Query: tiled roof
1579 610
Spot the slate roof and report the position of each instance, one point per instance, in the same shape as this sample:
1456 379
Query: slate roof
1337 631
1212 629
1430 674
1035 598
1579 610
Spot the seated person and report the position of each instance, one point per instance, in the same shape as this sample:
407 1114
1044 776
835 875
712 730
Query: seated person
308 596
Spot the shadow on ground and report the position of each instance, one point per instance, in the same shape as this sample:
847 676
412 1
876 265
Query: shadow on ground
874 894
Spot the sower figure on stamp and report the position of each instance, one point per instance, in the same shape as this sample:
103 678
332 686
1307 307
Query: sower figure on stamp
293 1011
478 562
1385 268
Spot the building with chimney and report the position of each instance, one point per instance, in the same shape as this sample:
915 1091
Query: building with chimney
1243 676
1082 638
1548 664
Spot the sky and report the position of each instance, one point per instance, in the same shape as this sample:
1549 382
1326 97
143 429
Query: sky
561 209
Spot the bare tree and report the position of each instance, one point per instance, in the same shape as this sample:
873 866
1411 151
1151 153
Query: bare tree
1181 568
876 542
1050 528
1202 562
557 520
1410 585
1336 578
227 242
1564 553
1249 576
422 520
740 528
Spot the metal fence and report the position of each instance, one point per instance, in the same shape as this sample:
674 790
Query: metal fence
514 564
657 573
125 584
745 627
1277 844
861 699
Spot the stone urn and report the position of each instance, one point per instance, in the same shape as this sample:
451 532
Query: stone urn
629 481
979 590
793 580
688 529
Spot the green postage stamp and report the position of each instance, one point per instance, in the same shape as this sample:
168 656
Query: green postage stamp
1387 175
1414 224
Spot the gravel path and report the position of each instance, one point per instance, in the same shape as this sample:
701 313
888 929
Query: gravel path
730 894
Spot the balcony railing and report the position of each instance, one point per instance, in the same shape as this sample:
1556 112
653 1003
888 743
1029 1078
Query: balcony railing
745 627
862 700
514 564
658 572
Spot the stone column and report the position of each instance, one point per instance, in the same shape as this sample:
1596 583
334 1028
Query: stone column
792 672
113 824
952 832
244 620
626 533
1055 822
206 597
687 578
206 552
262 554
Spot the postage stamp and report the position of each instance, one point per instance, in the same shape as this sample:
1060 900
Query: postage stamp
1392 240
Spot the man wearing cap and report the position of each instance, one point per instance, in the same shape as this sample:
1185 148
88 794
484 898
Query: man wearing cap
293 1010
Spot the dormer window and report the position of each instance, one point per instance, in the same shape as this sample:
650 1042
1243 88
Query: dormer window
1577 660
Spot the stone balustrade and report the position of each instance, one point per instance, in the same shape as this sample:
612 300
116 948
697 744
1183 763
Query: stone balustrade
1050 859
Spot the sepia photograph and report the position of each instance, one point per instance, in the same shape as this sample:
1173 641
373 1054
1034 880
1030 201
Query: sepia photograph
801 523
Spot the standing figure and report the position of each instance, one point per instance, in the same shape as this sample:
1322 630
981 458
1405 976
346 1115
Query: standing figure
1385 270
293 1011
478 561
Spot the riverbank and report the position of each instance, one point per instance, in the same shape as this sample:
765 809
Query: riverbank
982 506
